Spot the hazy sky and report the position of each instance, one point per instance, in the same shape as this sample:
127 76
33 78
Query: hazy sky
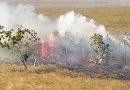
72 3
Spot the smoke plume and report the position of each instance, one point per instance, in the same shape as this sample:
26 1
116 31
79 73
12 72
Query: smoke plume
81 27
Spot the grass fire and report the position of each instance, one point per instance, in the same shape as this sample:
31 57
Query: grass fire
67 51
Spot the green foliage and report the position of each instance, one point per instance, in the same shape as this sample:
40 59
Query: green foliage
18 41
25 56
100 48
97 41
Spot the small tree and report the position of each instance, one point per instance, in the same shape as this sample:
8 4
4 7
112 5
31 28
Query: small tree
65 51
18 41
100 48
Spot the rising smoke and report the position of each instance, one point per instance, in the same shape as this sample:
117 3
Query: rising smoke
79 26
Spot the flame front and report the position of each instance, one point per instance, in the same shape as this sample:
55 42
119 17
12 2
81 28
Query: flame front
47 47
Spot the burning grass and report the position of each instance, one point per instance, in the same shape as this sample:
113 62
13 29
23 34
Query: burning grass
13 77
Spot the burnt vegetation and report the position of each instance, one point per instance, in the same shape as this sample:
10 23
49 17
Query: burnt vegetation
96 64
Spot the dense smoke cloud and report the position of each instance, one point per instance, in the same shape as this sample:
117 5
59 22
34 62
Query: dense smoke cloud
12 17
79 26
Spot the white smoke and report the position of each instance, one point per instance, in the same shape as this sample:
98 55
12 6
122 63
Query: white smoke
12 17
79 26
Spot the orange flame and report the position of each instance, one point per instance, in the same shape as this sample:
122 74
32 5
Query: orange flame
43 53
47 47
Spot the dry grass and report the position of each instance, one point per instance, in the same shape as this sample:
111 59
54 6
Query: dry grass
116 20
13 77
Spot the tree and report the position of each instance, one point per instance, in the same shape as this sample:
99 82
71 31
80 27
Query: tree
65 51
100 48
18 41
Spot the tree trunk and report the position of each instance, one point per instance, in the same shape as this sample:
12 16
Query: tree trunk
107 61
36 61
66 58
124 61
24 64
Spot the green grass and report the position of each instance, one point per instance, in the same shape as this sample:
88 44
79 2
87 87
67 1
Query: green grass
13 77
116 20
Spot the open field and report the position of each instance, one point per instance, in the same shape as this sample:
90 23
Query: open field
72 3
116 20
13 77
